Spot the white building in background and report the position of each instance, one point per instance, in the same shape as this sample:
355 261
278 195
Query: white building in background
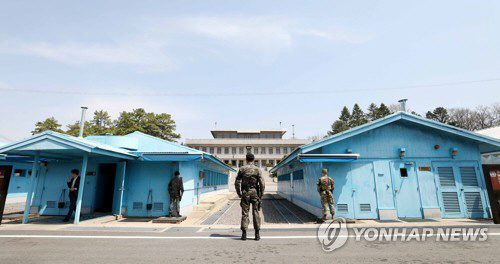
232 145
494 157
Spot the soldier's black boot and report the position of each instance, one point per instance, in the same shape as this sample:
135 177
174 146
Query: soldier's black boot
244 235
257 235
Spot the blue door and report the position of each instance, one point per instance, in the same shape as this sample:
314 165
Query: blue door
471 191
450 190
363 190
342 194
406 189
119 188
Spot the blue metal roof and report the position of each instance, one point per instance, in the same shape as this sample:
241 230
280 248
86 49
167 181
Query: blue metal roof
487 144
60 145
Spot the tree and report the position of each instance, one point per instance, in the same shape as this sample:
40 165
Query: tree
358 117
372 112
157 125
101 124
48 124
462 118
342 123
382 111
439 114
483 117
74 129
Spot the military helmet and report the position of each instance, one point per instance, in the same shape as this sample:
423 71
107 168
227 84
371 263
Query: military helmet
250 156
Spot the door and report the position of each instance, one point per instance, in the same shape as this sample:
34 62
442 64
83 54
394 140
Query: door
342 194
119 188
105 187
363 189
472 194
5 173
449 189
406 189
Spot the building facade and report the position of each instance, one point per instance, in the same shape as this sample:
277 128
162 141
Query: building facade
121 175
401 166
231 145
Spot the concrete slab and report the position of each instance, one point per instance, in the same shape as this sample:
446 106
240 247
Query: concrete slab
169 220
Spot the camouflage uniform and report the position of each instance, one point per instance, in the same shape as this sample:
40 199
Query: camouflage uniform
175 190
325 189
250 187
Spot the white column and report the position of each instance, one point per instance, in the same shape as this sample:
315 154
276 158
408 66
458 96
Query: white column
80 189
34 172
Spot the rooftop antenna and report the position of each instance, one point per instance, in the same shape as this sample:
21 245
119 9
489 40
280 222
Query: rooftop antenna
280 124
215 124
402 105
293 131
82 121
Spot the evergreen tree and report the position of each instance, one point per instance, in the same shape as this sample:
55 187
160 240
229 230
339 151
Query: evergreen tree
74 129
358 117
372 112
439 114
382 111
157 125
48 124
342 123
101 124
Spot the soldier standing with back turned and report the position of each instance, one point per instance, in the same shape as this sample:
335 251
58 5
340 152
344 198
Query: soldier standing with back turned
325 189
250 187
175 190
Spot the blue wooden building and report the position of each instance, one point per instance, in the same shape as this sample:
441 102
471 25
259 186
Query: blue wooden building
401 166
121 174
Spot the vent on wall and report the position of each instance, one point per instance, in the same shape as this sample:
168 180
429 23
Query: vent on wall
365 207
450 202
342 208
446 177
137 206
469 177
474 203
158 206
51 204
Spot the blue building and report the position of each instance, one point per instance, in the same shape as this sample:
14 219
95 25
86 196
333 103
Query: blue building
123 175
401 166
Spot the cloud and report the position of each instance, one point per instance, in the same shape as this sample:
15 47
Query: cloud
161 44
143 54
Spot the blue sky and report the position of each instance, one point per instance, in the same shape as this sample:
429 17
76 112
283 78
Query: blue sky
200 60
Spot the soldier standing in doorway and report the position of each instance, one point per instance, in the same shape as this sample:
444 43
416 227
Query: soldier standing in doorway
325 189
175 190
250 188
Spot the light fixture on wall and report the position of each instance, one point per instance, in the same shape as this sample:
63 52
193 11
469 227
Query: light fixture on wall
454 152
402 153
348 151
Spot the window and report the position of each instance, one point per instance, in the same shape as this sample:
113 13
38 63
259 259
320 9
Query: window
219 150
234 150
256 150
403 172
204 149
278 150
263 151
226 150
212 150
19 173
270 150
285 150
242 150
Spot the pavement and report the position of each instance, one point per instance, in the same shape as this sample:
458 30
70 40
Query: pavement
289 235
